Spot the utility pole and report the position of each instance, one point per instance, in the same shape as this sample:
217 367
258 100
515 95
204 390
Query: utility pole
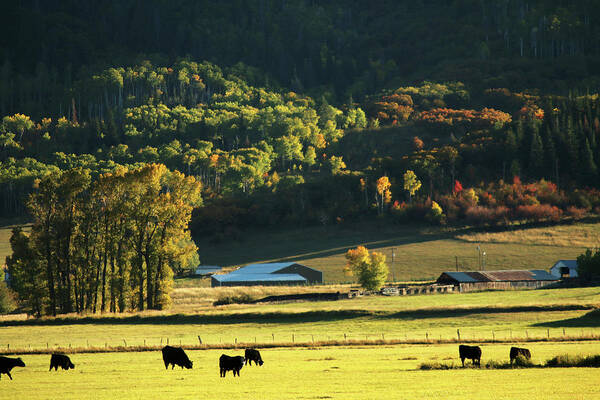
392 266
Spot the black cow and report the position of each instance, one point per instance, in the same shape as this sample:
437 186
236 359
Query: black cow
60 360
517 351
253 355
175 356
6 364
227 363
471 353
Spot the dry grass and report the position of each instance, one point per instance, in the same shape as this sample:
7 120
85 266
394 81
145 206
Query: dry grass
194 299
579 235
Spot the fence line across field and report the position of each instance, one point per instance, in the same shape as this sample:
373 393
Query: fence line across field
299 339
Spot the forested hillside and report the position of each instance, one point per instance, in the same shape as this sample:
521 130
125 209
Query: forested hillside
302 112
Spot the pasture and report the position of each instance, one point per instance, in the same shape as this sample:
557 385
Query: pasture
360 372
420 252
561 314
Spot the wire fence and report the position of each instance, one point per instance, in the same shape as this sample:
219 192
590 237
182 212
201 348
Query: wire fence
303 340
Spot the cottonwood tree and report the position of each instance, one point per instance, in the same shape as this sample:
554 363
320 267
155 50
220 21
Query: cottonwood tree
110 243
370 269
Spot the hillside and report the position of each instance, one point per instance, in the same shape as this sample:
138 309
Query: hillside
420 253
283 121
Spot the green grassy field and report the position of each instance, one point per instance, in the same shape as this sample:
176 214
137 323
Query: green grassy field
528 314
421 253
324 373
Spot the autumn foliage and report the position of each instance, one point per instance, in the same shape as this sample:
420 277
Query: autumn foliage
370 269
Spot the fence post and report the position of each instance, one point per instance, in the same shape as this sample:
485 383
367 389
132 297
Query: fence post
199 339
493 336
458 334
548 333
273 335
427 336
563 331
123 342
344 337
167 341
293 338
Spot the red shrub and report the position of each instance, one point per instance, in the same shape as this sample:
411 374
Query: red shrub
539 212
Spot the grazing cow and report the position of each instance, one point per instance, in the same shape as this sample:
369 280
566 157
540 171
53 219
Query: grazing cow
227 363
253 355
175 356
471 353
517 351
6 364
60 360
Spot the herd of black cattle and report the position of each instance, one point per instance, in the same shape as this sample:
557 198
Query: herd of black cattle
176 356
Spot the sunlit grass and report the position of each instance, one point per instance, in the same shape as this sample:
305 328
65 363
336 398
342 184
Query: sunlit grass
333 373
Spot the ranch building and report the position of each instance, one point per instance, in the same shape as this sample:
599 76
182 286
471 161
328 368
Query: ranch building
564 269
269 274
499 280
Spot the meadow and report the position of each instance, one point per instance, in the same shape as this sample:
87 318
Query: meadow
548 314
361 372
419 252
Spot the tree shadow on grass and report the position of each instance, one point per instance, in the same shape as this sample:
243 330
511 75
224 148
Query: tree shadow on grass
588 320
462 312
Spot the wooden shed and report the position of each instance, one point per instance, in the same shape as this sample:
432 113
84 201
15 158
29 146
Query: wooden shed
499 280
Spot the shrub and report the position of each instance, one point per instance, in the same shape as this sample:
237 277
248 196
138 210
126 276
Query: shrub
576 213
564 360
485 215
538 212
429 366
7 302
234 299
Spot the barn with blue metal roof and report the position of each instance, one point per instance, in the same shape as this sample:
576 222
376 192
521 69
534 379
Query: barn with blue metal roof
269 274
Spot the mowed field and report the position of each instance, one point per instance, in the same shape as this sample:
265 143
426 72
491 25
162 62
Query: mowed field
381 372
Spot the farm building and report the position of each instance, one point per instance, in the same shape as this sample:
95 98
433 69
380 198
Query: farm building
204 270
564 269
268 275
501 280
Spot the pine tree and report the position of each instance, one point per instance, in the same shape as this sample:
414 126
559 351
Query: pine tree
536 155
589 170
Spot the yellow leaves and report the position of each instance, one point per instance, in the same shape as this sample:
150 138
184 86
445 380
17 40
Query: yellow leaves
411 182
383 184
354 258
370 269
